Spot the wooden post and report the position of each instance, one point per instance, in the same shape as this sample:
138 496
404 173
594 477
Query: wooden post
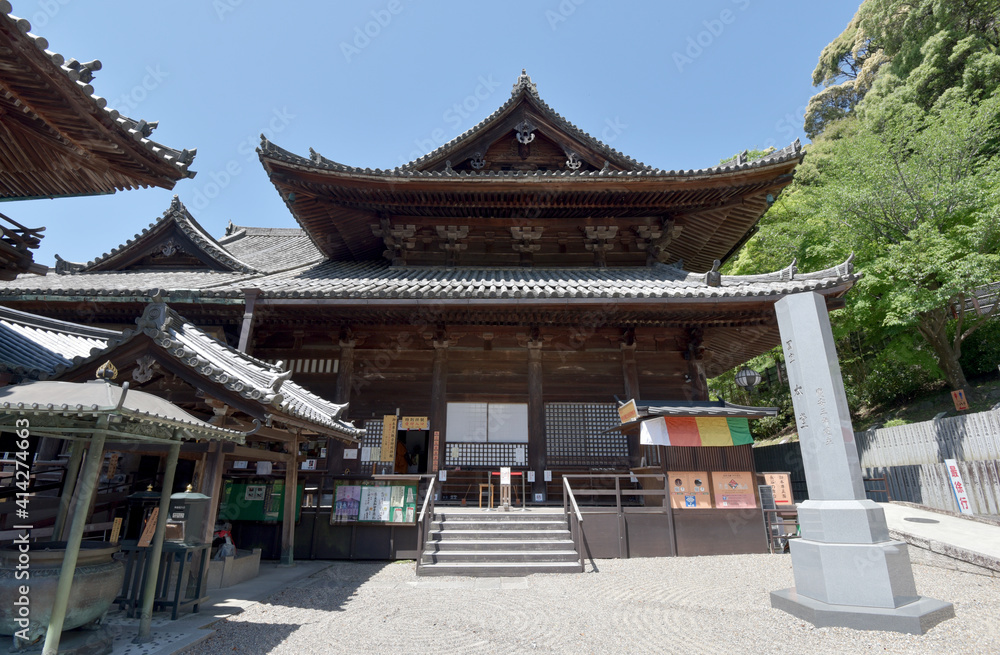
537 455
345 372
288 520
153 567
211 486
69 486
88 486
250 300
698 383
631 375
439 395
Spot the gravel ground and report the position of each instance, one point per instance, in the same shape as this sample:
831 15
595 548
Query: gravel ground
690 605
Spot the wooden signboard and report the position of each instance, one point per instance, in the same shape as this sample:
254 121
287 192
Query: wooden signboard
388 438
149 529
434 457
689 490
733 489
958 397
782 485
414 423
628 412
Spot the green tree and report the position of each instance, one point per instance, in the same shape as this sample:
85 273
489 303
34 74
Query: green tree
917 192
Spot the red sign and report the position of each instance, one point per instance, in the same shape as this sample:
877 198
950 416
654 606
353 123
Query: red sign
434 457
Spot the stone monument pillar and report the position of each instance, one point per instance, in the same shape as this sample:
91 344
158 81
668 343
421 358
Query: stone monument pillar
848 572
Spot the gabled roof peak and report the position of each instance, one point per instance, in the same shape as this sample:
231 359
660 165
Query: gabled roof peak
192 237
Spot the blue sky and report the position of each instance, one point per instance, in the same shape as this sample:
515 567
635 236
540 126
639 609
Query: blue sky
377 83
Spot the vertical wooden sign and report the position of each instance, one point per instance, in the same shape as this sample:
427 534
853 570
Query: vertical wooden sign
388 438
434 457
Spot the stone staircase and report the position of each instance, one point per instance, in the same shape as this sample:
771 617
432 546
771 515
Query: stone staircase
508 544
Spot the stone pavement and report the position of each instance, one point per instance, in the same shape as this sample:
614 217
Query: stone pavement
171 637
946 540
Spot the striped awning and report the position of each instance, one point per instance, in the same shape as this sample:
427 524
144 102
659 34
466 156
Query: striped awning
694 431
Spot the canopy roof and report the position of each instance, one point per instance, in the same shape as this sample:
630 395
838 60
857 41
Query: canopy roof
692 409
59 139
68 409
526 186
252 385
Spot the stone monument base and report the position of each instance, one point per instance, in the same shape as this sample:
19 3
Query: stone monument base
914 618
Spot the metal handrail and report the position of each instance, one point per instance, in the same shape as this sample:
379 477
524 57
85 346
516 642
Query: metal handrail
576 530
427 499
422 519
572 500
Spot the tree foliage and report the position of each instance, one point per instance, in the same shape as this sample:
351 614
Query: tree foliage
904 172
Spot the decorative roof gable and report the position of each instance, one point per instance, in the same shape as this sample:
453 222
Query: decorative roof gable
525 134
174 242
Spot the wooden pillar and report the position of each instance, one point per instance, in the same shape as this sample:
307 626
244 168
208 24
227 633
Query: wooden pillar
345 372
439 396
211 486
153 566
630 373
88 486
697 382
69 488
250 300
288 521
537 455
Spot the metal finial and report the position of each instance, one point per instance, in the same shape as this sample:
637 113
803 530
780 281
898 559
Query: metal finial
107 371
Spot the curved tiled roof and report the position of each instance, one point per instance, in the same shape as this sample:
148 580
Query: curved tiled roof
270 249
379 280
36 347
125 158
146 415
318 162
247 376
110 284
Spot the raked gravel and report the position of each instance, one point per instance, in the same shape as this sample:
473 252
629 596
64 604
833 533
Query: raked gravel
684 605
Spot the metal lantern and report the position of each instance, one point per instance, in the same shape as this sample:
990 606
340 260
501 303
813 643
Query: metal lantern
747 378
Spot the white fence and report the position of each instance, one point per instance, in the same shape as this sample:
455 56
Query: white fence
911 457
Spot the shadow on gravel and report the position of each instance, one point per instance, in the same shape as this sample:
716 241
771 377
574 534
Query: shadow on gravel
330 589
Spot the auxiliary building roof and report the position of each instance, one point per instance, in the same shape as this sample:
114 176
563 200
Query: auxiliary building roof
58 137
35 347
250 378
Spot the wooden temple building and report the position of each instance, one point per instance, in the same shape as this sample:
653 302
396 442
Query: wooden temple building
498 295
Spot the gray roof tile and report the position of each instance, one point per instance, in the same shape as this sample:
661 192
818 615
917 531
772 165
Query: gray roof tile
270 249
34 346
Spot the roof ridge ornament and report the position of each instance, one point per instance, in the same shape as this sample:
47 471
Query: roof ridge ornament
524 83
525 132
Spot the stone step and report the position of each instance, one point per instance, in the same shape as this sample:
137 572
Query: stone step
499 544
499 556
485 535
499 525
497 516
498 569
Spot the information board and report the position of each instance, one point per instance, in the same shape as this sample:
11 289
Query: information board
733 489
374 502
388 453
689 490
781 483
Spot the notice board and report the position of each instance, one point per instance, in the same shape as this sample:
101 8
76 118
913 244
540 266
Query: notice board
689 489
733 489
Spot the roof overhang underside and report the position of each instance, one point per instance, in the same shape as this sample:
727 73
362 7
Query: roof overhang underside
716 211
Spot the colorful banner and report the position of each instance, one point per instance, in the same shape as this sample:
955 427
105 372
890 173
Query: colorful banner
694 431
733 489
689 490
